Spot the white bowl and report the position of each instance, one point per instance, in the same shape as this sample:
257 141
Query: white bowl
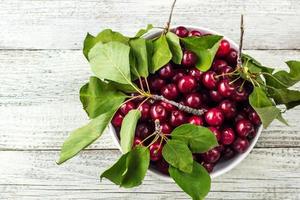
224 166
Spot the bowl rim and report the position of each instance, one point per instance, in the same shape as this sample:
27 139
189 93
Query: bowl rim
229 164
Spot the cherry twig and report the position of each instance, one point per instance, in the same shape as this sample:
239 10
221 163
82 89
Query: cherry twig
170 18
239 58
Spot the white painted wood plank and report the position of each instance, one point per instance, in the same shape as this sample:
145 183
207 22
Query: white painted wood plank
62 24
34 175
39 101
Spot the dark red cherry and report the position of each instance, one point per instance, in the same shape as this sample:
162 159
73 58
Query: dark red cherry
254 118
186 84
195 33
204 96
117 119
126 107
145 110
228 108
215 96
232 57
240 94
208 166
214 117
177 118
244 127
228 153
196 120
189 59
156 83
181 31
167 106
227 136
225 71
197 74
209 79
216 132
178 75
158 112
143 130
193 100
170 91
225 88
166 128
240 145
162 166
155 151
166 72
137 141
239 116
218 65
224 48
212 156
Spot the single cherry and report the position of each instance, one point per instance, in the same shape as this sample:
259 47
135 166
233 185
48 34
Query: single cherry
228 108
196 120
232 57
218 65
170 91
216 132
186 84
117 119
240 94
239 116
244 127
211 156
166 72
254 118
155 151
197 74
193 100
215 96
225 71
137 141
195 33
224 48
181 31
240 145
145 110
208 166
126 107
143 130
189 59
228 153
228 136
166 128
156 83
179 73
158 112
177 118
225 88
214 117
209 79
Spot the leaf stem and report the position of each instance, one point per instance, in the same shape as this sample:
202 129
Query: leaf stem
265 73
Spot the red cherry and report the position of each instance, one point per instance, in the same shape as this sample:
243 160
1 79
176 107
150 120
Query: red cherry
166 128
225 71
240 145
143 130
244 127
167 106
166 72
197 74
156 83
194 33
228 136
178 75
170 91
215 96
223 49
225 88
126 107
186 84
209 79
240 94
239 116
193 100
212 156
232 57
254 118
117 119
228 153
189 59
208 166
158 112
145 110
214 117
204 96
181 31
137 141
177 118
218 65
216 132
196 120
155 151
162 166
228 108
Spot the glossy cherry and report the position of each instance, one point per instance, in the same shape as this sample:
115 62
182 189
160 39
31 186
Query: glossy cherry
225 88
166 72
239 116
195 33
244 127
193 100
224 49
254 118
181 31
214 117
208 166
215 96
155 151
170 91
189 59
166 128
240 145
187 84
225 71
177 118
117 119
178 75
145 110
232 57
158 112
143 130
197 74
216 132
126 107
196 120
209 79
240 94
218 65
228 108
156 83
227 136
211 156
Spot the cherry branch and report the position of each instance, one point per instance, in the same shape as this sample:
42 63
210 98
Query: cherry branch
239 58
179 106
170 17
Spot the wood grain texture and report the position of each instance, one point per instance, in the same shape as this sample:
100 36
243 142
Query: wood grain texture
34 175
39 103
62 24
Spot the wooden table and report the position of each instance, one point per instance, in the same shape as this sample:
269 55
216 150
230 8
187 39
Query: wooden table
42 69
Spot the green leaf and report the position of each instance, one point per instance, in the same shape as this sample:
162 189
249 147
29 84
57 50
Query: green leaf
195 184
98 97
290 98
84 136
161 53
104 36
127 88
205 47
149 46
284 79
139 53
130 170
199 138
128 129
111 61
264 107
174 44
253 65
142 32
178 154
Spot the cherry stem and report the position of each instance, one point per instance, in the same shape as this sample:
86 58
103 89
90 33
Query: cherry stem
179 106
157 126
170 18
239 58
147 85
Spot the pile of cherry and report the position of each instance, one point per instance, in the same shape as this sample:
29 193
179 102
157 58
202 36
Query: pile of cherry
228 114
